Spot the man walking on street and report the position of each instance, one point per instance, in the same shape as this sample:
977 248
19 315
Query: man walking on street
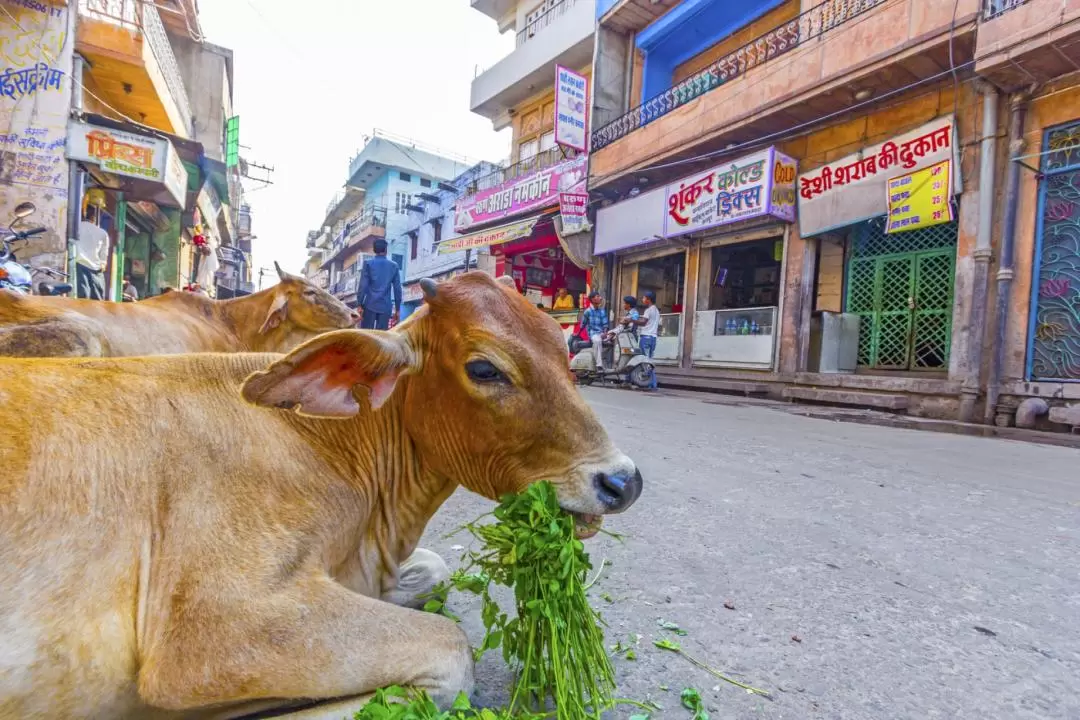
378 278
595 322
650 328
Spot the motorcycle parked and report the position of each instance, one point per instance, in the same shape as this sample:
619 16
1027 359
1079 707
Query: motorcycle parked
624 361
17 277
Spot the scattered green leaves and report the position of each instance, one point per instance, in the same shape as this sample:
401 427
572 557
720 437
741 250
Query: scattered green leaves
676 648
397 703
691 700
671 627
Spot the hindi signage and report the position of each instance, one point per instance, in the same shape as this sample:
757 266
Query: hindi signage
920 199
486 238
855 188
752 186
571 109
535 191
572 208
123 153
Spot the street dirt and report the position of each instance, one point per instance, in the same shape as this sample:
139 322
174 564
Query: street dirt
855 572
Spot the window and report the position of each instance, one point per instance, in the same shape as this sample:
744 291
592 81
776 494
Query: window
401 201
398 260
547 141
414 245
424 182
528 150
404 177
438 232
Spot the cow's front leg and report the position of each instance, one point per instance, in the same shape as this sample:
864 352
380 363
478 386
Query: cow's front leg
417 577
313 641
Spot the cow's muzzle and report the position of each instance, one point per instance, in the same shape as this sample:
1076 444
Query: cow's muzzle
617 491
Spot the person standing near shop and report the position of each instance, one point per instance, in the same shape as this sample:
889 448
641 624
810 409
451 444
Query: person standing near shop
649 325
91 252
595 322
379 278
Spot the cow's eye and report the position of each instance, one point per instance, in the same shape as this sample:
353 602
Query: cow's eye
482 371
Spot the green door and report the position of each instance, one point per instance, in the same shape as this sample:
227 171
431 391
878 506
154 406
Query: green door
901 287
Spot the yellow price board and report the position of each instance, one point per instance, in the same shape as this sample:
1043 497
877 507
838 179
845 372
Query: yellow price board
921 198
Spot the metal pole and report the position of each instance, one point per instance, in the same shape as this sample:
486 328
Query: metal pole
976 327
468 258
1018 107
76 176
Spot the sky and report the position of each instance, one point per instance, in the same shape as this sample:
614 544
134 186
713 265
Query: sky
309 84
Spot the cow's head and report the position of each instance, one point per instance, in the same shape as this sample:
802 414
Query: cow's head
305 306
488 401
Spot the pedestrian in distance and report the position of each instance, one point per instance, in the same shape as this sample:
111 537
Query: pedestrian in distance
595 322
649 329
380 290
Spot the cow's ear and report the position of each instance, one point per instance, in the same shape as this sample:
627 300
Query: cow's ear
317 378
278 311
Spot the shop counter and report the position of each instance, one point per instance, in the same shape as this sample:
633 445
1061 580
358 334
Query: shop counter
669 339
567 320
743 338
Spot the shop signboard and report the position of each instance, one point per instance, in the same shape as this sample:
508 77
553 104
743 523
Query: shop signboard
128 154
486 238
571 109
735 191
855 188
412 293
529 193
920 199
572 208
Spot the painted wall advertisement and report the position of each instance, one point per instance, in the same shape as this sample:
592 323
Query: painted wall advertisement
534 191
123 153
571 109
856 188
36 44
920 199
752 186
486 238
572 208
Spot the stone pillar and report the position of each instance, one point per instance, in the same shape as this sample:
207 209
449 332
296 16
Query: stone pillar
690 301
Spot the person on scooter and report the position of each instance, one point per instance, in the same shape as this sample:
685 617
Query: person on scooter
595 323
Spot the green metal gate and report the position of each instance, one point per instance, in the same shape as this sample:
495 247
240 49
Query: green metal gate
901 287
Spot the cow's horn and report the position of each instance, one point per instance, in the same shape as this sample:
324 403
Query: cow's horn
280 272
429 287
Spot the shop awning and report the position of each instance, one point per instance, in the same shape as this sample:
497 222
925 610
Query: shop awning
491 236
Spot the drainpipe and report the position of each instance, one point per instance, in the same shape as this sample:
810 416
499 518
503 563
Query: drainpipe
1018 109
982 254
75 174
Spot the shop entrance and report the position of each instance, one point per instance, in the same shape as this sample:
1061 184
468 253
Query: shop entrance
901 287
666 277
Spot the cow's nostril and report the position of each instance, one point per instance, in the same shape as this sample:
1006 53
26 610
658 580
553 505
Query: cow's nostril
617 491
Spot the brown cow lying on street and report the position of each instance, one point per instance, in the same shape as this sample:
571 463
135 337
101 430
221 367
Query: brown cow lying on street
207 536
273 320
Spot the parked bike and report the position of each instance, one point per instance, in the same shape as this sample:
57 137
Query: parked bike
17 277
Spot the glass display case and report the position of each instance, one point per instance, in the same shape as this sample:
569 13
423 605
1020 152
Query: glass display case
743 338
669 339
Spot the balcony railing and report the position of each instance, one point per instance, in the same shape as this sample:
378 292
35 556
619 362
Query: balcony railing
812 24
540 161
361 224
143 17
994 8
538 24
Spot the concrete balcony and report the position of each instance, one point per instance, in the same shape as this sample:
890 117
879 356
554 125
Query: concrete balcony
1021 42
563 35
364 229
132 63
798 72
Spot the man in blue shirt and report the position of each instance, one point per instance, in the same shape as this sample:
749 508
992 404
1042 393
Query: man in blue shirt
595 322
378 278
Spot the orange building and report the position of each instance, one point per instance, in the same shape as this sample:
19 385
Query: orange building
886 123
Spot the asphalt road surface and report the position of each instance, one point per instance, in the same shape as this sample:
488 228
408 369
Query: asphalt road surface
854 572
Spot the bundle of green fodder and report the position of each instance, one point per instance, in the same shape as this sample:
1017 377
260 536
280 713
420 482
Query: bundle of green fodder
396 703
554 643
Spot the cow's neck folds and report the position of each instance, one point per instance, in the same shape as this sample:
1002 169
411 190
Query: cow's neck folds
246 315
376 456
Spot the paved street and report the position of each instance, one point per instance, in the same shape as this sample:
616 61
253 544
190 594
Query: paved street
925 575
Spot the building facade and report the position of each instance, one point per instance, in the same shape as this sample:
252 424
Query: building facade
519 213
384 181
100 124
822 196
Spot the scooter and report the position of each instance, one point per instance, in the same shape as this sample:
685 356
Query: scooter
17 277
623 360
